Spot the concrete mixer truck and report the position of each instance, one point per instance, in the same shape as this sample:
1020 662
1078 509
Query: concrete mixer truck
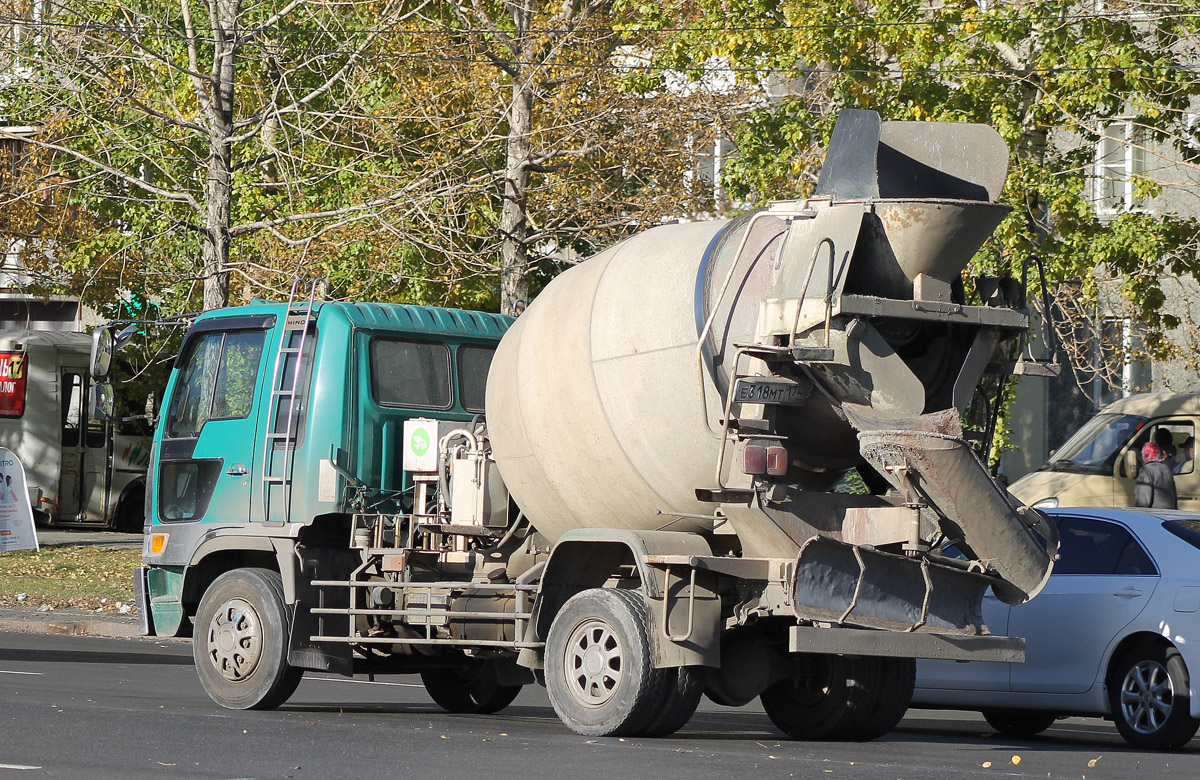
628 493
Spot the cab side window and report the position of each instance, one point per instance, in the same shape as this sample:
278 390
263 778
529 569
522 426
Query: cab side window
192 401
473 364
237 375
1096 547
217 381
410 373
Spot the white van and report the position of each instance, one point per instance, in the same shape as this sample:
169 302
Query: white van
79 471
1098 464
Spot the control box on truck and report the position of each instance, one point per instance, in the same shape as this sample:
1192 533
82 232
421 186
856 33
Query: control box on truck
80 470
626 494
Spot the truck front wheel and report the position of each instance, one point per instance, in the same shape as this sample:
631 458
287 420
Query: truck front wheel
599 672
240 642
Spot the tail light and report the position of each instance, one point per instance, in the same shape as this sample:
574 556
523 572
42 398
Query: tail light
765 460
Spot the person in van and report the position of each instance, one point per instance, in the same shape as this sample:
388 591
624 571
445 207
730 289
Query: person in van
1187 453
1155 484
1166 444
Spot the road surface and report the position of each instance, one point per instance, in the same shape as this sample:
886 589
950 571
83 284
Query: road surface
120 709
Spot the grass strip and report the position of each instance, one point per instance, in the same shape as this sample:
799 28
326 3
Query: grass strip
70 576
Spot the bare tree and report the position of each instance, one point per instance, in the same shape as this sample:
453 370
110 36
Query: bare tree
595 140
222 119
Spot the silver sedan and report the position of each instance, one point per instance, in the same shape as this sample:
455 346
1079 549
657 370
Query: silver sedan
1115 633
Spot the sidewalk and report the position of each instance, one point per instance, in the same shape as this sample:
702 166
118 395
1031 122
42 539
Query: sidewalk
31 620
67 621
61 537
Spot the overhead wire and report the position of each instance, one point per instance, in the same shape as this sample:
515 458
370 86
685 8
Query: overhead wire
166 30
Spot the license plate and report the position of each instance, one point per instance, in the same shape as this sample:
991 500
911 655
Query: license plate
768 390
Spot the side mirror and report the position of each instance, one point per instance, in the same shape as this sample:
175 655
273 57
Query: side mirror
105 342
1131 464
101 403
103 346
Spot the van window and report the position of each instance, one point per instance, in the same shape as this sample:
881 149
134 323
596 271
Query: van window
1177 440
473 364
72 408
1094 447
410 373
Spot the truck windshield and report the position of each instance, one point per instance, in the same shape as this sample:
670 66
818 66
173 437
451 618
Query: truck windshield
1094 447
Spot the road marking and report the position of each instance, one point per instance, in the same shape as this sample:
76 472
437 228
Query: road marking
18 766
32 674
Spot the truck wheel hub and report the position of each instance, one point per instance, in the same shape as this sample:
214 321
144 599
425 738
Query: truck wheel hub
593 662
235 640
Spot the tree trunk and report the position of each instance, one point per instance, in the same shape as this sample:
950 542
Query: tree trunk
514 229
218 185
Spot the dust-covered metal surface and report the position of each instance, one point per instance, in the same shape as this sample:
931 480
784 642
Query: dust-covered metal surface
975 513
850 585
636 389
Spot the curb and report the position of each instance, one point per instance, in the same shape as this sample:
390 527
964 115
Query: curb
79 627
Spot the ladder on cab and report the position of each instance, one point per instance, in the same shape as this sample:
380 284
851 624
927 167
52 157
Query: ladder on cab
285 405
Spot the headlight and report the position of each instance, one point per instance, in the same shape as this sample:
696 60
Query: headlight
1047 503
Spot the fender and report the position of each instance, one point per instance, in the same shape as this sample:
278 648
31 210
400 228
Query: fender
252 540
684 623
279 543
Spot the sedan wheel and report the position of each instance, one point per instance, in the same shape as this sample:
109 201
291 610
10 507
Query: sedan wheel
1149 698
1019 723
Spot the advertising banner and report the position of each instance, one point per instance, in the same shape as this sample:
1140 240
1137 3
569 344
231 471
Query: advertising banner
16 515
12 384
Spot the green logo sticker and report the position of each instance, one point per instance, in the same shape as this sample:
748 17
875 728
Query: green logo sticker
419 441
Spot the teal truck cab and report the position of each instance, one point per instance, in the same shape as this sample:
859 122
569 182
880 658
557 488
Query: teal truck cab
276 421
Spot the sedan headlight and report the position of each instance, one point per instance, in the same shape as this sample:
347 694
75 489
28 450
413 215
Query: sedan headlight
1047 503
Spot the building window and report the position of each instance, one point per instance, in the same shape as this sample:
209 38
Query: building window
1120 158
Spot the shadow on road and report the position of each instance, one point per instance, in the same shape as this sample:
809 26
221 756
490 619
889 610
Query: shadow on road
93 657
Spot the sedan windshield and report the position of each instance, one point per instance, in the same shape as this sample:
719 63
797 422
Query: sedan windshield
1094 447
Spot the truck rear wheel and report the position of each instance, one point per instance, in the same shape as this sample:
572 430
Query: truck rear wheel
681 697
600 675
240 642
472 688
841 697
893 694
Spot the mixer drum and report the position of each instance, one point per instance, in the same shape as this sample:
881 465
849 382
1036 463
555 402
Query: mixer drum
595 410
